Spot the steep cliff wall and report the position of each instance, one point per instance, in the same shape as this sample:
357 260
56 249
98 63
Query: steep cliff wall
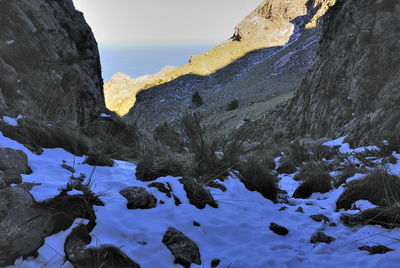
49 61
354 87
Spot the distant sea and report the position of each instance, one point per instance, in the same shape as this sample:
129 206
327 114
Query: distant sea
142 59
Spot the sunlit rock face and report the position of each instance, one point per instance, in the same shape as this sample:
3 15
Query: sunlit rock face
353 88
49 61
271 24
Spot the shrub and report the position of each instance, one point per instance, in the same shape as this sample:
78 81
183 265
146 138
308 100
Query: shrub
197 99
168 136
316 178
379 187
286 166
233 105
213 156
257 178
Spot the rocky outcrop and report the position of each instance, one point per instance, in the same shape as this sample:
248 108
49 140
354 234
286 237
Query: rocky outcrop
353 88
49 61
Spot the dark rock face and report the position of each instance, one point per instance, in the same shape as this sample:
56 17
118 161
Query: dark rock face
49 61
353 88
183 248
14 161
138 197
23 227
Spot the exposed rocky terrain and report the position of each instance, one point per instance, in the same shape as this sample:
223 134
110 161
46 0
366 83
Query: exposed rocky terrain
49 61
353 88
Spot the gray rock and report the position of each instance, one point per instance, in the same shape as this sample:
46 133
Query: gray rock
14 161
197 194
23 226
182 248
138 197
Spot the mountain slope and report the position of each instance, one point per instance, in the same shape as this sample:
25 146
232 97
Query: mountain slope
353 88
272 24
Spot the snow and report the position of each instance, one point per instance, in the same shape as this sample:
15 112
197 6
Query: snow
9 42
237 232
105 115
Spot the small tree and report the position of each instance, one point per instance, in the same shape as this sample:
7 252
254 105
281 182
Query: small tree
233 105
196 99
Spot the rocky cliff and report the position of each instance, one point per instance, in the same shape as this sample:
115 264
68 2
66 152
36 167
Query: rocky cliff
353 88
272 24
49 61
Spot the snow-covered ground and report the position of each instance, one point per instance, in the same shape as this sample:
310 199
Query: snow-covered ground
237 232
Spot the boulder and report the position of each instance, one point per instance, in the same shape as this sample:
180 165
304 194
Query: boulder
138 197
182 248
14 161
279 230
23 226
197 194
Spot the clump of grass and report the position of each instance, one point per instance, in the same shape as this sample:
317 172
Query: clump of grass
316 178
168 136
286 166
233 105
257 178
387 217
213 155
379 187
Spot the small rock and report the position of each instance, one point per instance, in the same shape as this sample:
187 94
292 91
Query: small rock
138 197
279 230
197 194
321 237
282 208
215 263
300 210
332 224
67 167
182 248
162 202
177 201
319 218
195 223
376 249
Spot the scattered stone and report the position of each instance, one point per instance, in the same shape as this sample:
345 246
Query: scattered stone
138 198
300 210
182 248
103 256
195 223
215 263
67 167
321 237
279 230
332 224
161 187
319 218
283 208
197 194
162 202
99 159
376 249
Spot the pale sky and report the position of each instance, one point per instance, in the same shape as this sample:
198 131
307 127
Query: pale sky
127 21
